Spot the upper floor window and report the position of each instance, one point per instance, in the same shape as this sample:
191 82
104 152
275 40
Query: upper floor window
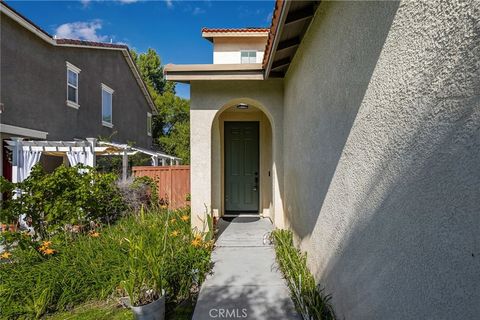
248 56
149 124
107 99
72 85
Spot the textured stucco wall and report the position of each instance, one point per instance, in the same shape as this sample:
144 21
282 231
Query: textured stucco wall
381 156
34 84
208 100
227 50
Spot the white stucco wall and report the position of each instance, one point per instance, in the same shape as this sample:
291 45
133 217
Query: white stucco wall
208 98
381 154
227 50
232 57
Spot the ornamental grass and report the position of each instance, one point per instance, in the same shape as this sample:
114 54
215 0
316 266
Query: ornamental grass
310 299
73 268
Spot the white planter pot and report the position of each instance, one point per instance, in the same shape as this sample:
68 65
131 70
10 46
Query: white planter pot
152 311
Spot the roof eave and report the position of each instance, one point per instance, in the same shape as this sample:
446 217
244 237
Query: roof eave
274 36
187 73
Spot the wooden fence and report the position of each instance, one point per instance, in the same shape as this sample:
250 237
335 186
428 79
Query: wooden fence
173 183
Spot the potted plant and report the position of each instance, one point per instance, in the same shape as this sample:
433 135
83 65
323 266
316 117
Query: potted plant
144 282
145 299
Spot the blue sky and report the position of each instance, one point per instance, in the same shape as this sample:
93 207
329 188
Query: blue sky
173 28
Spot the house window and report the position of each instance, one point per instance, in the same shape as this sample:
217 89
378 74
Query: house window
248 56
72 85
107 98
149 124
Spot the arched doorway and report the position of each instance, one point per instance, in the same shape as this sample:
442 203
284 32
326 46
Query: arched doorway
242 159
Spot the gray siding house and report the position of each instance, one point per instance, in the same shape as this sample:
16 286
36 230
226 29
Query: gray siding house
62 89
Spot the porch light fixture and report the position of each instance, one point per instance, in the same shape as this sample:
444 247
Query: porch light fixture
242 106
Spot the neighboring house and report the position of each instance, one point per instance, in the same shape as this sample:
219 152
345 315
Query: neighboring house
359 131
61 89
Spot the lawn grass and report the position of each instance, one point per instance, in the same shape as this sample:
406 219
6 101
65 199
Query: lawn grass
111 310
94 311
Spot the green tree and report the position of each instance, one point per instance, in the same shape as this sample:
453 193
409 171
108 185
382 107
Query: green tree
150 66
171 125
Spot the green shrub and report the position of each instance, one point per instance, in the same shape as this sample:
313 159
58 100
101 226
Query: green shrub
138 192
6 207
92 266
115 163
309 298
68 196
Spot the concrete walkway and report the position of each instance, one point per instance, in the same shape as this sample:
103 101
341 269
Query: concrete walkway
246 282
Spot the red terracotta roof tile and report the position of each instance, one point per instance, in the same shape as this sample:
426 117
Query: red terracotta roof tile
273 28
235 30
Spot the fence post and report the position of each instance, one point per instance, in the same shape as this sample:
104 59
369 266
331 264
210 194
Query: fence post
171 185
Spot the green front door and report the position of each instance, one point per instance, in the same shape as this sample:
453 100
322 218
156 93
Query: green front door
241 167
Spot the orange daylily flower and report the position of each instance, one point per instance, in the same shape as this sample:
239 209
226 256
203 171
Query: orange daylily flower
48 251
185 218
46 244
196 242
5 255
174 233
94 234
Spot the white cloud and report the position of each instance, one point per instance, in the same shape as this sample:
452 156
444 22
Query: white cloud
169 3
86 3
82 31
197 11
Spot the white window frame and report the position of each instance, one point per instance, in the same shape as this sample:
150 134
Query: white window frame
248 51
149 124
109 90
76 70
